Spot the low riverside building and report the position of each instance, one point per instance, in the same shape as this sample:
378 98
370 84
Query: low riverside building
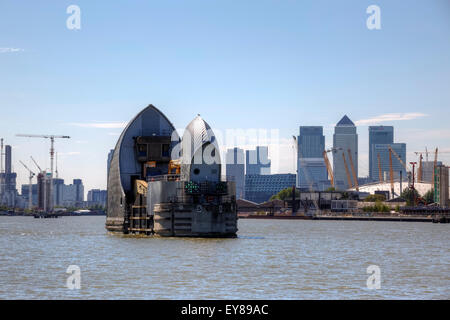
259 188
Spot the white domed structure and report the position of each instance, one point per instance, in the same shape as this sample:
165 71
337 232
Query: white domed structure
200 160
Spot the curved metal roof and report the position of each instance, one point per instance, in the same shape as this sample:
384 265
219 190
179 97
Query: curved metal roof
197 133
148 122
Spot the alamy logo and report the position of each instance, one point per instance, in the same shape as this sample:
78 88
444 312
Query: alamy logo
73 22
374 20
74 280
374 280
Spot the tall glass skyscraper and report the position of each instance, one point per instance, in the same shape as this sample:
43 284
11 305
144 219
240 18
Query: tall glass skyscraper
378 135
345 138
312 172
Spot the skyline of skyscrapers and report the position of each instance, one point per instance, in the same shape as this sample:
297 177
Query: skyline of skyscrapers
311 174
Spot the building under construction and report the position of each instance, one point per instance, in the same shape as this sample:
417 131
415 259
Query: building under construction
159 184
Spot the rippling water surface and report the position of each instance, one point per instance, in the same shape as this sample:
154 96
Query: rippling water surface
271 259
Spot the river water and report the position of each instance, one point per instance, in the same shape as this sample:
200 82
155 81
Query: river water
271 259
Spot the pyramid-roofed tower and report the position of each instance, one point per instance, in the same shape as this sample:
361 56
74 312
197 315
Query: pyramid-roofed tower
345 121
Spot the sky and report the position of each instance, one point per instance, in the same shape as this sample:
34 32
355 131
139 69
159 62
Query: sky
247 64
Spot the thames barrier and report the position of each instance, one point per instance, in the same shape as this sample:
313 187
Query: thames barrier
159 184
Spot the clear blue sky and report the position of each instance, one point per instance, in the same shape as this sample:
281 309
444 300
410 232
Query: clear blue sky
243 64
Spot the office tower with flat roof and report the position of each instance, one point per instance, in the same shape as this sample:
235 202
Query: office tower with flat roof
97 197
79 189
8 191
235 170
345 138
58 190
257 161
378 135
312 172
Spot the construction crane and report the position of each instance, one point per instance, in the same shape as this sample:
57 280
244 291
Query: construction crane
408 171
45 185
380 175
399 159
434 168
427 152
349 179
328 164
40 170
56 167
411 187
355 178
420 169
391 173
30 185
52 152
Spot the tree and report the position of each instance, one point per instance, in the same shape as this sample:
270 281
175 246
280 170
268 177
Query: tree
408 195
375 198
429 196
285 194
377 207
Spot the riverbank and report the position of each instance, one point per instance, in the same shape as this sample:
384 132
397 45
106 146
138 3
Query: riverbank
59 214
347 217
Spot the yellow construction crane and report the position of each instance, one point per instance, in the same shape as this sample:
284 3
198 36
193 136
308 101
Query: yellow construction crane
355 178
399 159
420 170
349 179
380 174
328 165
391 172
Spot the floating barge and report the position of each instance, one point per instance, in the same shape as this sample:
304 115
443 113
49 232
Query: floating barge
44 215
159 184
